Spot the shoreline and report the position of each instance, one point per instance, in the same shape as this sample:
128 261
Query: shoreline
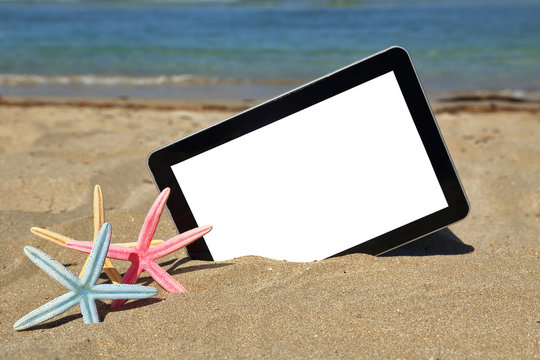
480 101
209 88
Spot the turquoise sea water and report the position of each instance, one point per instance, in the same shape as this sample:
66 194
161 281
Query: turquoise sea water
250 48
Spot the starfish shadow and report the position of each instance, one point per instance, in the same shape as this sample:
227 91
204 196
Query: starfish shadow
176 263
54 323
442 242
70 264
174 270
210 265
105 277
105 308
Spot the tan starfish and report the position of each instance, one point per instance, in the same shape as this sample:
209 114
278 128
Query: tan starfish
60 239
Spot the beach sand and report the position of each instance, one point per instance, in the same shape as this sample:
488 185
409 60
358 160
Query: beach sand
470 291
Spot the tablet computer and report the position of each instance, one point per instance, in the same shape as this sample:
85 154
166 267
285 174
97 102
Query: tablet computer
353 161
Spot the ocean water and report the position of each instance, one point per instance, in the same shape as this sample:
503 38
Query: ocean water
258 48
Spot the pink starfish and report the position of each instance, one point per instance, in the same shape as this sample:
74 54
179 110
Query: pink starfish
143 257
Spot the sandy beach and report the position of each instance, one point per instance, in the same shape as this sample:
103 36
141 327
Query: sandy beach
470 291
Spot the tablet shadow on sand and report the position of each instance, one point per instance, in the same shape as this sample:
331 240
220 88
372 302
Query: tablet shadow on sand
442 242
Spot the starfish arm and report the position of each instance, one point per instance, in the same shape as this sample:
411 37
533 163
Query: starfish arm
53 268
50 235
89 309
134 244
48 310
81 273
130 277
163 278
151 221
109 269
178 242
97 256
115 251
132 274
98 210
111 272
122 291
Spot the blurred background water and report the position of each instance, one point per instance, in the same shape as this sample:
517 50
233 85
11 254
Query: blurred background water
257 49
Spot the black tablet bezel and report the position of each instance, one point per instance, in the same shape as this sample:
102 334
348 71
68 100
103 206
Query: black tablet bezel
394 59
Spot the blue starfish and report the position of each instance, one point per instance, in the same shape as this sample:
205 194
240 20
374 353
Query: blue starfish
81 291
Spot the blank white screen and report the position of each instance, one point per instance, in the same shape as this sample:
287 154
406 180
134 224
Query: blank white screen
316 182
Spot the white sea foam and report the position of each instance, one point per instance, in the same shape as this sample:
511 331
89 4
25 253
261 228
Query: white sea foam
23 80
92 80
